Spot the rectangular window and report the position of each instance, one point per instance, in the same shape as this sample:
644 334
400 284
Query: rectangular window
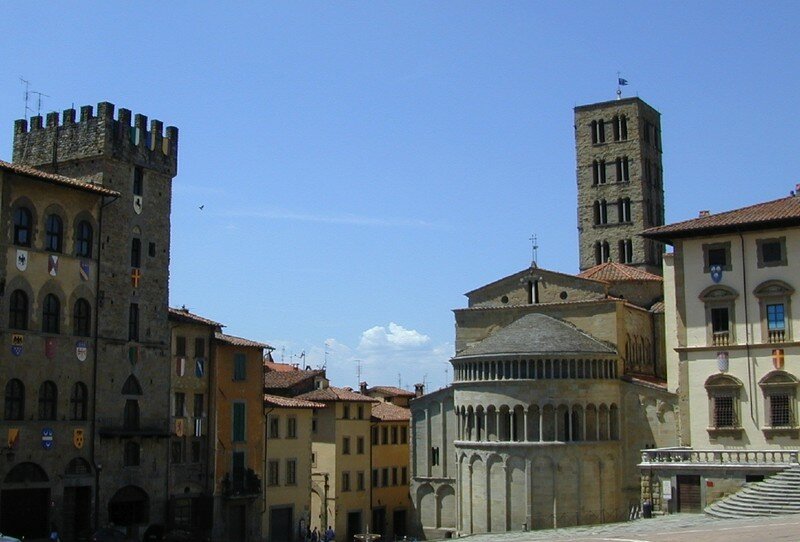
238 474
360 412
360 481
771 252
272 473
724 413
345 481
374 436
359 445
291 472
198 405
138 180
313 459
404 476
199 347
780 410
776 320
136 252
717 256
274 427
384 435
196 451
435 455
180 405
180 346
384 477
346 445
346 412
291 427
238 422
239 366
151 249
314 425
404 435
719 320
394 434
176 451
133 322
374 477
394 476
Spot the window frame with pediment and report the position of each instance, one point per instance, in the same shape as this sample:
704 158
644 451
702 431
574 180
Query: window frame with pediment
769 293
723 386
714 297
780 384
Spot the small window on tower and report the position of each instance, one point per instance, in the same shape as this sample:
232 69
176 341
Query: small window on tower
138 180
151 250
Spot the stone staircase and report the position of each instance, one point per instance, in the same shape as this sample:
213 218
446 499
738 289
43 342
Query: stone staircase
778 494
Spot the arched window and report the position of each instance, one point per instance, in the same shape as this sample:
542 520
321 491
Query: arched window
774 298
51 314
131 386
724 392
14 400
82 318
48 400
780 396
131 414
131 458
83 239
78 401
54 233
22 227
18 310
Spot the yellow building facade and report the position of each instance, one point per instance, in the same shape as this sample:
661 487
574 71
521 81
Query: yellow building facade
391 503
287 494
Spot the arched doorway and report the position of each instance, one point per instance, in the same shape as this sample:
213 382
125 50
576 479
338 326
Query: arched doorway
25 502
130 506
77 505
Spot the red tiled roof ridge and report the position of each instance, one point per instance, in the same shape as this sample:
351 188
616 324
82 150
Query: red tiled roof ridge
615 272
290 402
786 208
239 341
60 179
390 412
392 390
185 313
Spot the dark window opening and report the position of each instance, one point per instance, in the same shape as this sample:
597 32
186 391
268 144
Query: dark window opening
48 401
18 310
22 227
138 180
78 401
54 233
136 252
83 240
51 310
81 318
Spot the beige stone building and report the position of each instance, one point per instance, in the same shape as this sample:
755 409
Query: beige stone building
558 379
733 357
341 465
287 494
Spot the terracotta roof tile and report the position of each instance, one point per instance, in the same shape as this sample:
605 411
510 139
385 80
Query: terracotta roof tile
388 412
617 272
771 214
57 179
332 393
391 391
289 402
239 341
287 379
280 367
183 315
657 307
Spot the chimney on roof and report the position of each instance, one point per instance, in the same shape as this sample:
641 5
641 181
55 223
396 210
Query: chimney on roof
419 390
363 387
797 189
704 213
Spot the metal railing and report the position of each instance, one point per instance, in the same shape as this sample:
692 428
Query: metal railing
688 456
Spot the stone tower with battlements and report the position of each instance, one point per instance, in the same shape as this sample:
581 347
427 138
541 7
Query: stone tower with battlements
620 183
130 345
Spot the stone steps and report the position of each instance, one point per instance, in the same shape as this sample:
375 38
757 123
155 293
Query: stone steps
778 494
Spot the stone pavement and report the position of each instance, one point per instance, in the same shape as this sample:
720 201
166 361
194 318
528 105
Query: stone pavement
672 528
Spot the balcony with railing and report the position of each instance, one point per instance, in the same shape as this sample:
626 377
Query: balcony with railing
720 338
776 335
244 485
682 458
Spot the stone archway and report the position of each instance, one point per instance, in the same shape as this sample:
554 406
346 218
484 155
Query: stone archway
25 502
130 506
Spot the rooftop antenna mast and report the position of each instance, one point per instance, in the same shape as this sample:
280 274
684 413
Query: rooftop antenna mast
39 97
534 250
325 360
358 371
26 96
399 380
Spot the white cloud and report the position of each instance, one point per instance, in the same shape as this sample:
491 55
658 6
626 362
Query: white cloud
395 337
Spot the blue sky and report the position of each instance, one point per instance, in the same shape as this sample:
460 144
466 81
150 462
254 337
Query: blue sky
363 164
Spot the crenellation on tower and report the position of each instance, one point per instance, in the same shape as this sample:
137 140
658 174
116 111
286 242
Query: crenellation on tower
43 144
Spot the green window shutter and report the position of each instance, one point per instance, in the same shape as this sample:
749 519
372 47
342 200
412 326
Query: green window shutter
239 367
238 422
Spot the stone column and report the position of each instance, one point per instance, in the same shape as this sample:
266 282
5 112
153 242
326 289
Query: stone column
524 425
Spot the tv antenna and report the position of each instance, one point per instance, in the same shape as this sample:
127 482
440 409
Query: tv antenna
358 371
325 359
